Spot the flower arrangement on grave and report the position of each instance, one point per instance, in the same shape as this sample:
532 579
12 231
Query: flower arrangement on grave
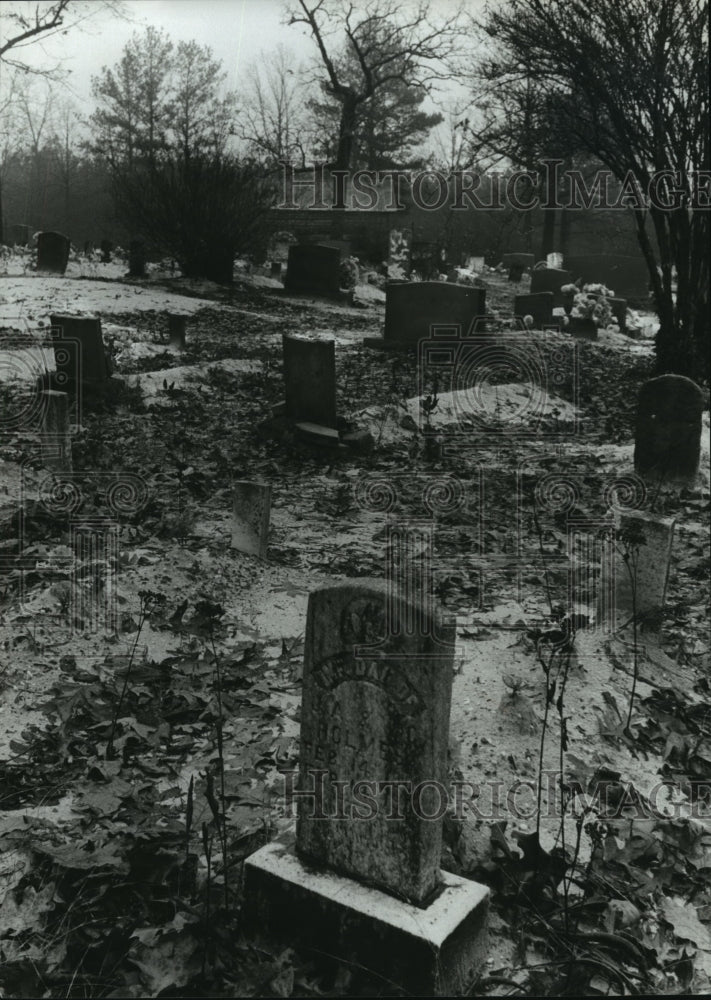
590 303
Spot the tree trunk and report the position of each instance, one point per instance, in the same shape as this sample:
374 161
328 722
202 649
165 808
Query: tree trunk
548 237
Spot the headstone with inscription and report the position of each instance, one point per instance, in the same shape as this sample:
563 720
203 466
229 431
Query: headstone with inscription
52 252
310 380
550 279
363 880
412 308
668 428
251 508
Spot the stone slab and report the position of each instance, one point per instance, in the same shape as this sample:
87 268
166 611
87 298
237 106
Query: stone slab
412 308
310 380
251 509
437 951
377 683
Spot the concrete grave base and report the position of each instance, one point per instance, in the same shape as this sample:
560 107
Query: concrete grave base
435 951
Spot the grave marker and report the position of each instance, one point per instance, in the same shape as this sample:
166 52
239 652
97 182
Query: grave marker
85 360
55 441
275 269
619 311
668 428
626 276
550 279
106 248
363 881
539 306
313 268
310 380
251 508
176 331
412 308
522 260
137 259
52 252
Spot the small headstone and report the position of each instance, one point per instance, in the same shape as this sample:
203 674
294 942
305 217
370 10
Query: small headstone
548 279
618 308
275 270
647 566
137 259
52 252
106 248
475 264
251 508
538 306
313 268
555 260
20 235
668 428
176 331
55 440
364 882
515 272
524 260
583 327
310 380
79 349
413 308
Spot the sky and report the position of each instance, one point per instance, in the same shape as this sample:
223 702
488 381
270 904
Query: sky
237 31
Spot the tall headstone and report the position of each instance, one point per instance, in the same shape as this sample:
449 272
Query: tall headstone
668 428
55 440
176 330
550 279
79 350
363 881
538 306
313 268
310 380
137 259
413 308
251 508
52 252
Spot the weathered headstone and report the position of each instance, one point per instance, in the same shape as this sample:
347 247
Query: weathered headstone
313 268
251 508
20 235
310 380
55 440
106 248
79 349
137 259
176 330
363 882
52 252
549 279
413 308
538 306
640 565
668 428
626 276
522 260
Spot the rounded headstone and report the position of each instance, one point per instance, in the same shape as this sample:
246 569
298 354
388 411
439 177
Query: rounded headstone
668 428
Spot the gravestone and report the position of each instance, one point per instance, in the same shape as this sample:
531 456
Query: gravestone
655 535
137 259
583 327
313 268
554 260
52 252
20 235
55 441
79 350
362 881
618 308
550 279
176 331
515 272
251 508
523 260
310 380
412 308
668 428
626 276
275 269
106 248
538 306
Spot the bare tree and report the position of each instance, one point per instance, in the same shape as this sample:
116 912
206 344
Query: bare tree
629 81
391 43
272 119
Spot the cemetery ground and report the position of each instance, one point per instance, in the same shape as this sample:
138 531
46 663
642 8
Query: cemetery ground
143 753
